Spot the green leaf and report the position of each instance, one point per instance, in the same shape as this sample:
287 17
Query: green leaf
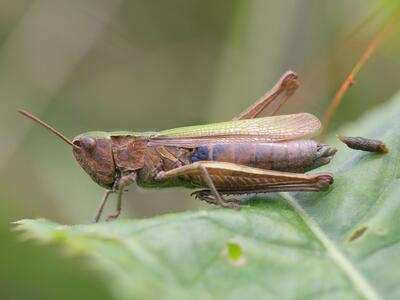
340 244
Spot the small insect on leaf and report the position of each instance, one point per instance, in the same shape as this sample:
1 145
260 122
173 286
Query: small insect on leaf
364 144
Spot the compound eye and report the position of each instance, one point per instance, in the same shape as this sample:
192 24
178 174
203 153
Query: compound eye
88 143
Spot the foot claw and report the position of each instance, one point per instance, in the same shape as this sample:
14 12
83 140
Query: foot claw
202 195
113 216
232 203
205 195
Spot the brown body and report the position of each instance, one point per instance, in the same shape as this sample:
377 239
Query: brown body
132 154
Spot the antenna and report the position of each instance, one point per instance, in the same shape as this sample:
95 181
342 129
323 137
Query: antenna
37 120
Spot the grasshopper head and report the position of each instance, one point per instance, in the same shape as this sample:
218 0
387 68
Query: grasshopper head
94 154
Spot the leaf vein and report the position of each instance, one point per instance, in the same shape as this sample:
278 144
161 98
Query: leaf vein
360 283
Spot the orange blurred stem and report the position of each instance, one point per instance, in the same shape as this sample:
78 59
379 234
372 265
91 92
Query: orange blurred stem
381 35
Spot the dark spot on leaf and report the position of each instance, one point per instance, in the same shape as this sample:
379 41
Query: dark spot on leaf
235 254
358 233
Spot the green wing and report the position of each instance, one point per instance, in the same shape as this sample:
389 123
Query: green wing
267 130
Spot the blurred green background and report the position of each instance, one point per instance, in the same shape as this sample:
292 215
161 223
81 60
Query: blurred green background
150 65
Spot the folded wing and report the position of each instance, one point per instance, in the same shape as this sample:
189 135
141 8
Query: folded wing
260 130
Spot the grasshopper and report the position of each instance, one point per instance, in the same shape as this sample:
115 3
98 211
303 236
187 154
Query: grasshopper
250 154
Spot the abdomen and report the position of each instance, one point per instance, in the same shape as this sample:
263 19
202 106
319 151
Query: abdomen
292 156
